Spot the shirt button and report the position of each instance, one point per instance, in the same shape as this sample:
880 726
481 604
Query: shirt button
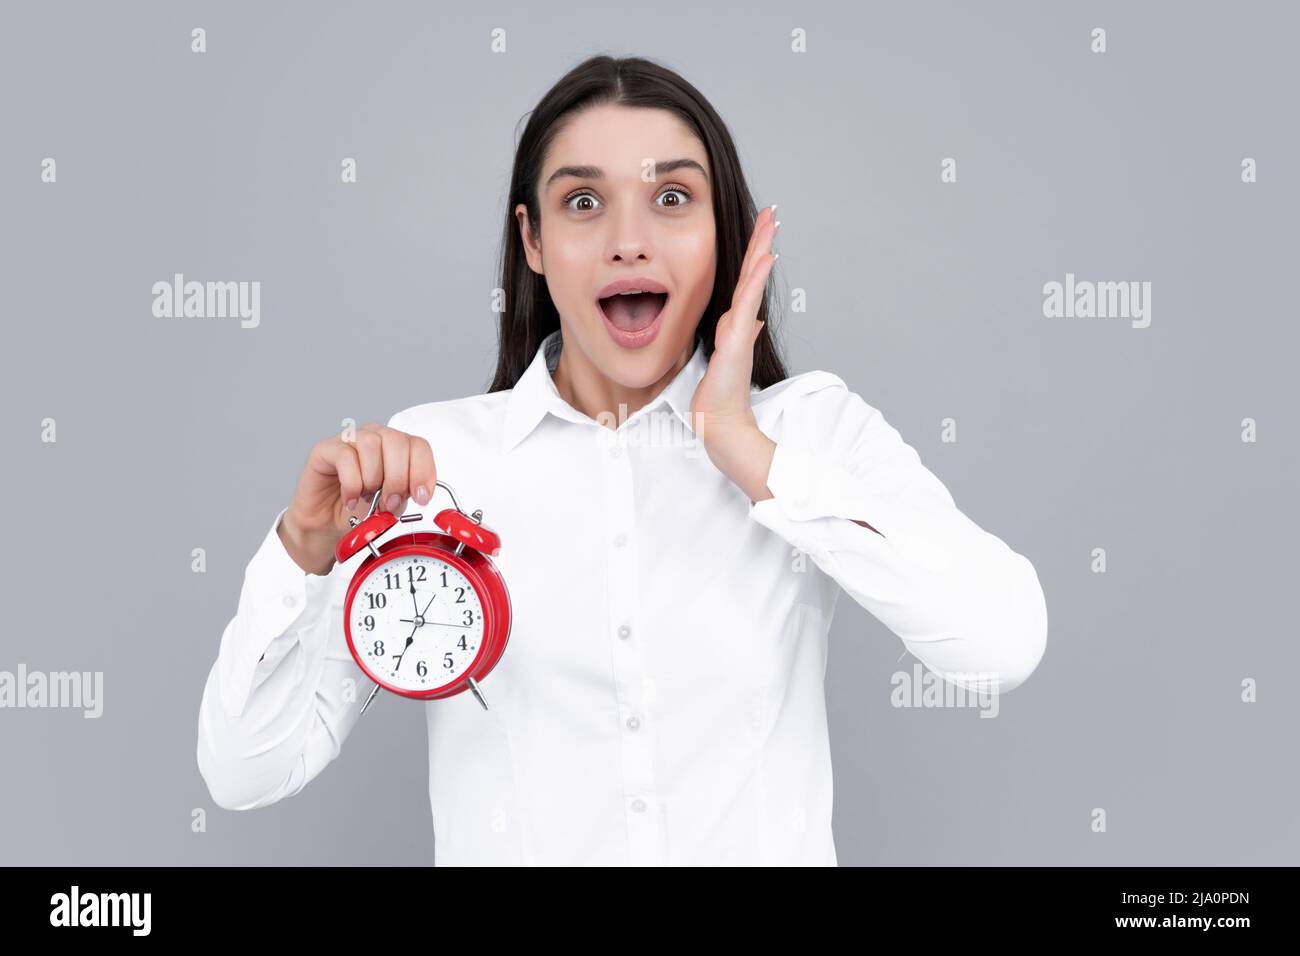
620 539
638 805
624 631
290 600
633 723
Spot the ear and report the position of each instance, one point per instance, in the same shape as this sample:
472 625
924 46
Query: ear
532 243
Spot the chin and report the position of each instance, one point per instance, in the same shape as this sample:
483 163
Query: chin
645 365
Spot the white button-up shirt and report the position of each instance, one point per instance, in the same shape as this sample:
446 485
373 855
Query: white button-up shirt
661 697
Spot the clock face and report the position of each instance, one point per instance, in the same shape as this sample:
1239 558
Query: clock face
416 622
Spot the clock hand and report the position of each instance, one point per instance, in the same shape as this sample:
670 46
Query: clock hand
408 644
418 622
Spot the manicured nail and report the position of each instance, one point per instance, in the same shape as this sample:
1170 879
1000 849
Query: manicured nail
394 501
422 495
350 504
773 209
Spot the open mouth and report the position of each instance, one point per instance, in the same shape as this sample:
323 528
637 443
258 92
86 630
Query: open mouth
633 311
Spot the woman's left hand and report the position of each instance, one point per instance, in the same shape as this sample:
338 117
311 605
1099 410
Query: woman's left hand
724 419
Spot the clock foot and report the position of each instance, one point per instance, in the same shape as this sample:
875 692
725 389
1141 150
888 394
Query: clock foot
473 685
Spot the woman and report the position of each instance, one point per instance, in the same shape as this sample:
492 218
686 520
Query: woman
678 516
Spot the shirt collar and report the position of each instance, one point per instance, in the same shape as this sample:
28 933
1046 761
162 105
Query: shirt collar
535 394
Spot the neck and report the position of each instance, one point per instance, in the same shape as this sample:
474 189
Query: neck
589 390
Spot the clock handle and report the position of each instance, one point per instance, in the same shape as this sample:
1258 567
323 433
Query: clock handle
375 501
454 502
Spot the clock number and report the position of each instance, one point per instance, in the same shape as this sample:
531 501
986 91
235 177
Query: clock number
461 643
368 622
393 579
447 662
377 600
379 649
469 617
421 669
460 598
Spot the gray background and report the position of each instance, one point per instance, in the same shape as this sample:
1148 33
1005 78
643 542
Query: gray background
926 298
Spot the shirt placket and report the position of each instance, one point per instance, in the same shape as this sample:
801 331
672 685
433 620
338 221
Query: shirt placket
642 804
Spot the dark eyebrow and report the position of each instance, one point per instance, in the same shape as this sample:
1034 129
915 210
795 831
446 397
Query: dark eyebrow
595 172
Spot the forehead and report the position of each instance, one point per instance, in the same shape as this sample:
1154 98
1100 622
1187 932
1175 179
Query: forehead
619 140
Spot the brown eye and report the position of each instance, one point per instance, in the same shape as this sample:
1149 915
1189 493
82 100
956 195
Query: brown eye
678 203
569 201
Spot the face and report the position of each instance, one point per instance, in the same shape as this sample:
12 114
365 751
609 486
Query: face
624 195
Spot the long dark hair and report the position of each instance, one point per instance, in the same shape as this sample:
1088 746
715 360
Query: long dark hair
529 314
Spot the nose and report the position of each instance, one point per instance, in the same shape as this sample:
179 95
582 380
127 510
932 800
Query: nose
629 235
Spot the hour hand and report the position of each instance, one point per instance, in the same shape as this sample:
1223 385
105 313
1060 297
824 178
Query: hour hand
404 647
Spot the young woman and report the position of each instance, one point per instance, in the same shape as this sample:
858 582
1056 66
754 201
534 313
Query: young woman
678 517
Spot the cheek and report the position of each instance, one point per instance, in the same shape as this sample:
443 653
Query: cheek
570 246
695 265
698 243
567 259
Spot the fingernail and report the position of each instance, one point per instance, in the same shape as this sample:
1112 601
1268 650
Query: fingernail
778 224
773 209
394 501
350 504
422 495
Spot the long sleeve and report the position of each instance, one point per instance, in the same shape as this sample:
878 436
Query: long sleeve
965 604
284 692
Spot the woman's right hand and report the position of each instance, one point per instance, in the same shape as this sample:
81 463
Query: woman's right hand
339 480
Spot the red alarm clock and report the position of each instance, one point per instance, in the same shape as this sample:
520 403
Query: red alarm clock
427 615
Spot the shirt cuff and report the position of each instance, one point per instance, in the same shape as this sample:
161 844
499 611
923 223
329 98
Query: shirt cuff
275 593
806 485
